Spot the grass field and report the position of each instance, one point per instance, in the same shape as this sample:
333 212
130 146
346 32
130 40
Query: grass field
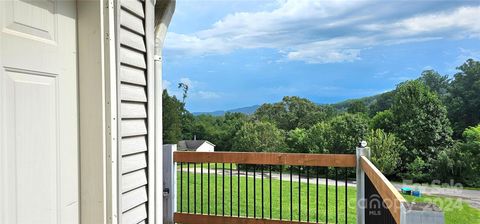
454 213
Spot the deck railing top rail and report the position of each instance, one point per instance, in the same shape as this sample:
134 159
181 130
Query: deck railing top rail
387 191
293 159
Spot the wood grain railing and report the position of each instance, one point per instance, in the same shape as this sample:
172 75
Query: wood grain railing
388 196
292 159
236 187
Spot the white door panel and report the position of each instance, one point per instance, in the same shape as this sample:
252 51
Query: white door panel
38 112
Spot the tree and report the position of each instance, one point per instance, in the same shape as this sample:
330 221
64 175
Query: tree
184 87
172 110
417 170
318 137
385 150
420 120
383 120
464 97
259 136
346 131
357 106
293 112
382 102
460 162
437 83
297 141
232 122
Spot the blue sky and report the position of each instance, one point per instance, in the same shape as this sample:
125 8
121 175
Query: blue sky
236 53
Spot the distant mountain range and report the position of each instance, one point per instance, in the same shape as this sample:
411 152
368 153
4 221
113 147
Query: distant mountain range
245 110
341 106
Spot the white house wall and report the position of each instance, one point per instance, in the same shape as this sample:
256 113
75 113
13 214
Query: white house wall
205 147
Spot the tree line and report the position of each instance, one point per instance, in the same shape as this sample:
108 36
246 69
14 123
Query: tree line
424 129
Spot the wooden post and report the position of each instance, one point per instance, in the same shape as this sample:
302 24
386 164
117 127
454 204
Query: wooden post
362 150
169 183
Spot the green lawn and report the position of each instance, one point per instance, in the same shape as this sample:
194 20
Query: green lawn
454 213
351 215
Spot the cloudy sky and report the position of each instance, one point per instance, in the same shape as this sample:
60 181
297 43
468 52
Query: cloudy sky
236 53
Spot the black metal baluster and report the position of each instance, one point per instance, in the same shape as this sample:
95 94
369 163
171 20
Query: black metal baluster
316 212
194 188
246 190
291 193
262 193
238 189
181 187
216 189
231 189
254 192
201 188
326 196
208 193
336 195
281 210
270 191
346 197
188 187
299 194
223 189
308 194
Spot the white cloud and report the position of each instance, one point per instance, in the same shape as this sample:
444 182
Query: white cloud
332 31
208 95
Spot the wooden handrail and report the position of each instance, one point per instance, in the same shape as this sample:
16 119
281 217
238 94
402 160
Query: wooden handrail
386 189
293 159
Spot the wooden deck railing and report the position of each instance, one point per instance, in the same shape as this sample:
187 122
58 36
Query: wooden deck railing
380 195
236 187
291 159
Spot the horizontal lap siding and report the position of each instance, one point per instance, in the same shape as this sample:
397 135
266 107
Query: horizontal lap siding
133 111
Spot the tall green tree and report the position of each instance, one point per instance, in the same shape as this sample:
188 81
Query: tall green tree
259 136
420 120
172 110
464 97
437 83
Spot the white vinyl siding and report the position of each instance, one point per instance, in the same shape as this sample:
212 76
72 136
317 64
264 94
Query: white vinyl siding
134 102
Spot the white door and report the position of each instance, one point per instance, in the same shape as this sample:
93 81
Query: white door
38 112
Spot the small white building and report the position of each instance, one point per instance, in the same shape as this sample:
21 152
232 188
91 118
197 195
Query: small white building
196 146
